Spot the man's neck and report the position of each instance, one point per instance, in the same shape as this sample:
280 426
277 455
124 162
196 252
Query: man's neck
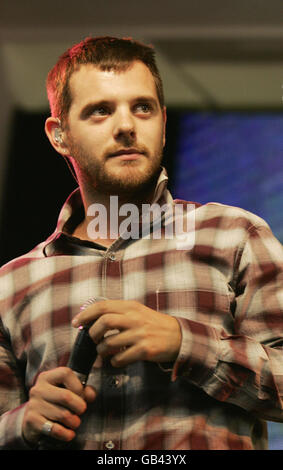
103 216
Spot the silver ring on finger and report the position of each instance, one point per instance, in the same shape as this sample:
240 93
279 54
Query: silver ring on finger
47 428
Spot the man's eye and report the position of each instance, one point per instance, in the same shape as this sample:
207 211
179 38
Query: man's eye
143 108
100 111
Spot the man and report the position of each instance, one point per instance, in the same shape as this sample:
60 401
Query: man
189 338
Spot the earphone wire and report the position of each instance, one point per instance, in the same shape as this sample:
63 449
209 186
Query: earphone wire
71 169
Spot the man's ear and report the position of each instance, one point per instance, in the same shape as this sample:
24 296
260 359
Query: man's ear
164 114
55 135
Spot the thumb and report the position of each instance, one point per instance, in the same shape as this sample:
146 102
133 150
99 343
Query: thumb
89 394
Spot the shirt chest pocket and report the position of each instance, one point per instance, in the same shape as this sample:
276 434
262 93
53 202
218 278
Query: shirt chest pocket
210 307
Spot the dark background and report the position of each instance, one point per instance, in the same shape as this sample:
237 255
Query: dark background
38 182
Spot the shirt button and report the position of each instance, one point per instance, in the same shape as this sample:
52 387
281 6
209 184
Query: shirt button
112 257
109 445
114 382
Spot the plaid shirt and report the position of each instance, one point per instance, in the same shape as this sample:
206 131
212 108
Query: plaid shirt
227 294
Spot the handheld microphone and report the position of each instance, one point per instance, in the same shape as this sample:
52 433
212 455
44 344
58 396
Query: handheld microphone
84 351
83 354
81 360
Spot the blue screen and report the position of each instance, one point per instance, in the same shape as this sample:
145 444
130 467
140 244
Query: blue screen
234 158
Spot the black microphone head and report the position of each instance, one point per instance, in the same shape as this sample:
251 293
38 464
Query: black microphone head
84 351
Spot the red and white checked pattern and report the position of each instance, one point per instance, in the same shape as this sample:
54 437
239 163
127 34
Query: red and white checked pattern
227 294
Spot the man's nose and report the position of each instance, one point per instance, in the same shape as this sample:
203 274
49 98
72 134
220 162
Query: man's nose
124 124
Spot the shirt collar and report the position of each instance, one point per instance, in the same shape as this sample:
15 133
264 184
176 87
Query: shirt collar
72 213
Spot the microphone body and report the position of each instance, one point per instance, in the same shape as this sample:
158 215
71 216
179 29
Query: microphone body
83 354
81 360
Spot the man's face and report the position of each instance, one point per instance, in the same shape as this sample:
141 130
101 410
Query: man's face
116 129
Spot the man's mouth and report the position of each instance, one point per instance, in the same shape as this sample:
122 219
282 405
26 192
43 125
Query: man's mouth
127 154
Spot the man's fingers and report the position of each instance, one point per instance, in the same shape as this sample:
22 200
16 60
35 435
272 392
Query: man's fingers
89 394
94 311
157 336
63 422
106 323
60 432
62 387
63 376
58 397
127 356
91 313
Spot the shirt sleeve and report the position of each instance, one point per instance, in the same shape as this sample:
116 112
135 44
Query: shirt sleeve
12 398
244 368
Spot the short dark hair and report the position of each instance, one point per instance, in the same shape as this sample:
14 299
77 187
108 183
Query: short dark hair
106 53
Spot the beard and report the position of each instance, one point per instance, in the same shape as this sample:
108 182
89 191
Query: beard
130 182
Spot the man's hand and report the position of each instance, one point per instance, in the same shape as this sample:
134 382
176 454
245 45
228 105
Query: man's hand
143 334
58 396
